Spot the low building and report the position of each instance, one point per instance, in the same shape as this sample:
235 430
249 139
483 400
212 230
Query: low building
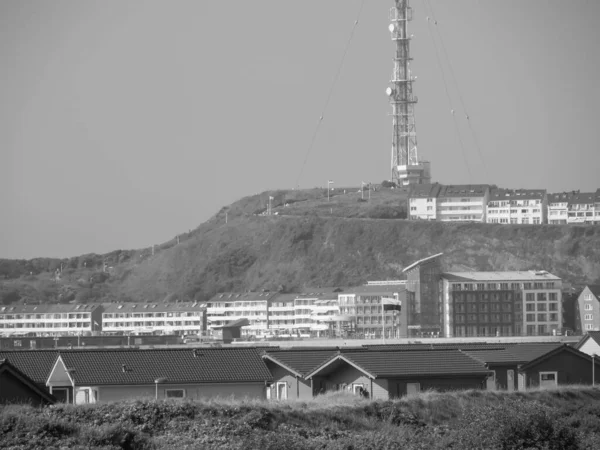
588 304
35 364
517 206
463 203
92 376
16 387
562 366
391 374
520 303
50 320
146 318
422 201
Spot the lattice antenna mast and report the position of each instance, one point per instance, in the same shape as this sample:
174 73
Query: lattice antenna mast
406 168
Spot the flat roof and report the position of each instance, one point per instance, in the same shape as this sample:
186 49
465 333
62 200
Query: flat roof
524 275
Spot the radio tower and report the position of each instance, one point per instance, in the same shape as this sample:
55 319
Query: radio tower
407 169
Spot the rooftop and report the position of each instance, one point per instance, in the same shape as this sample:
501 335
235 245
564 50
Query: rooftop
525 275
36 364
243 296
583 198
153 307
517 194
464 190
425 190
421 261
48 308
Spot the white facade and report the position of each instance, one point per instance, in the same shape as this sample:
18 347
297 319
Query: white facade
557 212
423 208
229 307
164 318
582 209
519 206
462 203
49 320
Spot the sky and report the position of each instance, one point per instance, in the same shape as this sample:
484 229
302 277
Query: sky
126 122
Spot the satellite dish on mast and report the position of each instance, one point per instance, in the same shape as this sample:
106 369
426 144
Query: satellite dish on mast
392 27
389 91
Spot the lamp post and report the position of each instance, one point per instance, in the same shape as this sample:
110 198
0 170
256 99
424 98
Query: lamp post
156 383
362 189
329 182
594 369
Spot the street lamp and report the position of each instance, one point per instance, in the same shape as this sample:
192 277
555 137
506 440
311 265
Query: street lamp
329 182
594 369
156 383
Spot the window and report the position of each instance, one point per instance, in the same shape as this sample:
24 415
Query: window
530 307
530 317
548 379
541 317
281 390
587 297
552 296
530 297
588 317
589 326
588 307
541 297
175 393
413 388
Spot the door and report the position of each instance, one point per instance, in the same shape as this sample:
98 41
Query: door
491 381
510 380
61 394
282 390
413 388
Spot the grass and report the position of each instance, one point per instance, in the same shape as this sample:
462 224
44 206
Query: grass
564 418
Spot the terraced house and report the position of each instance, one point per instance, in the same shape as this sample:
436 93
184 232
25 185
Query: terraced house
517 206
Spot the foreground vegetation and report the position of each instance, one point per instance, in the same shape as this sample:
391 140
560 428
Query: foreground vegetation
566 418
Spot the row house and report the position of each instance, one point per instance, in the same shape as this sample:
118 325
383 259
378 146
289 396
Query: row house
558 207
423 201
584 208
147 318
50 320
588 305
463 203
520 303
517 206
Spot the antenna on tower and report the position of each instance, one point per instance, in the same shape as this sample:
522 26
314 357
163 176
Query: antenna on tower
407 169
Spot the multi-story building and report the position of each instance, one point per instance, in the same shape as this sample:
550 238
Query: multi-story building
582 208
50 320
517 206
151 318
254 306
463 203
558 207
422 201
422 309
588 304
317 312
281 314
525 303
362 312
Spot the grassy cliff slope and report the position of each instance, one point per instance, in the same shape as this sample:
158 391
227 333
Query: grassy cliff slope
310 242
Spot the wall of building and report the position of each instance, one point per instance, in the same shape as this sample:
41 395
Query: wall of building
590 347
589 311
501 371
192 391
398 386
423 299
570 368
298 388
13 390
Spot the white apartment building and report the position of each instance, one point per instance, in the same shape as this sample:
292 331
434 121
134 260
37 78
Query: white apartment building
558 207
145 318
588 304
520 303
282 318
462 203
582 208
517 206
50 320
422 201
254 306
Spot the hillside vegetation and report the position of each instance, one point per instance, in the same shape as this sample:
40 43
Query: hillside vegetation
310 242
565 418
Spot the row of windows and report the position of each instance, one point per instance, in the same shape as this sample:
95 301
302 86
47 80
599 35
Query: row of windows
54 316
588 317
160 323
541 296
483 307
541 307
483 330
46 325
502 286
542 317
514 211
150 315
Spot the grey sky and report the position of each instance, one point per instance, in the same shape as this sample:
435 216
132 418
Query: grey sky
125 122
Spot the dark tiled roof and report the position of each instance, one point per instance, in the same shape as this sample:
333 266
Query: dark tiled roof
301 361
425 190
6 366
529 352
382 364
436 346
201 365
464 190
36 364
497 356
48 308
517 194
561 197
583 198
557 350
